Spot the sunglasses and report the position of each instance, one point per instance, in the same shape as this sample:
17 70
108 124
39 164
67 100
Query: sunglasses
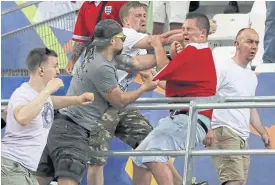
120 36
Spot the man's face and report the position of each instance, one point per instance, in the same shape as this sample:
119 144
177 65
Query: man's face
191 32
50 69
137 19
117 43
247 44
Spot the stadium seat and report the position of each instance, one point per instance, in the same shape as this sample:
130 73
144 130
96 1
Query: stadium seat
223 53
228 26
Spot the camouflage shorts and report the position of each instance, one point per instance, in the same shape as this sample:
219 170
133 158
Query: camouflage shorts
129 126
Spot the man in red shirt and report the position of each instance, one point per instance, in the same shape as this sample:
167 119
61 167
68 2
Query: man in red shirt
190 74
85 24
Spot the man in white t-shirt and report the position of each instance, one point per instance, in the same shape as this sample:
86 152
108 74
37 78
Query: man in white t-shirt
129 126
30 116
230 127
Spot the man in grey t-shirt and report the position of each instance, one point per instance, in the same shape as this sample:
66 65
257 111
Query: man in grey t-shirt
67 151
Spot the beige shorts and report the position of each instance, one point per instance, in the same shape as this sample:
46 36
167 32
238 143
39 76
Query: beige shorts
12 173
230 168
174 10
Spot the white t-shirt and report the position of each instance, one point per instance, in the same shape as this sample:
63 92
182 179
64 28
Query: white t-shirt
132 37
25 144
233 80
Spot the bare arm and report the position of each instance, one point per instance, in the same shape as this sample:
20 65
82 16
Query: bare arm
161 57
137 63
26 113
256 122
78 48
166 39
64 101
120 99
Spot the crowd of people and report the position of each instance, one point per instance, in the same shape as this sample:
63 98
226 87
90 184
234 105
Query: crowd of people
53 137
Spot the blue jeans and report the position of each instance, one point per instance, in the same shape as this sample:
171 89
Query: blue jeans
170 134
269 37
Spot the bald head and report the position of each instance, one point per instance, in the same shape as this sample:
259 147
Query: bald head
246 43
243 32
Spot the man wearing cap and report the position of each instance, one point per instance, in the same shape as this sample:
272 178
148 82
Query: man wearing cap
66 154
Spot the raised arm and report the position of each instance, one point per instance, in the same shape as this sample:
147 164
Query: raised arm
24 111
106 83
137 63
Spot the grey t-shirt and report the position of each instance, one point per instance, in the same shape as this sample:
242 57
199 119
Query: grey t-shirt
95 75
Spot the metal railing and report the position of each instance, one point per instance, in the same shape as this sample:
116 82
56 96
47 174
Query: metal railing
19 7
194 106
55 33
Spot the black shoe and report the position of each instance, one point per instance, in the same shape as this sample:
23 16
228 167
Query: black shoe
232 7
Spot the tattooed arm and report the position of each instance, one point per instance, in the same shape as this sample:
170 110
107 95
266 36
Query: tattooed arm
138 63
78 48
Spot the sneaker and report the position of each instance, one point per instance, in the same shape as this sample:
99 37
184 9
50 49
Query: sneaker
232 7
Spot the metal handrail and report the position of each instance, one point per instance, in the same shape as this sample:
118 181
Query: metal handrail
183 152
19 7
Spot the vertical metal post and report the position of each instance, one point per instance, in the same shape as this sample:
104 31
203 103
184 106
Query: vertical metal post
191 134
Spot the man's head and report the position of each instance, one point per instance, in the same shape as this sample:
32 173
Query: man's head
246 43
42 62
108 34
133 15
195 28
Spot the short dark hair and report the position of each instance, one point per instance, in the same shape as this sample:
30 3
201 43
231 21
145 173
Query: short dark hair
202 20
124 10
37 56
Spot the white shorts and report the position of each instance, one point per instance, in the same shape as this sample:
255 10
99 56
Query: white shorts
174 10
170 134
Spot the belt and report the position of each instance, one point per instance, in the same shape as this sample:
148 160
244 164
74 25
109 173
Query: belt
173 113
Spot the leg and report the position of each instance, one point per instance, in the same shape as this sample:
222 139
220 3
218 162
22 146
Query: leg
170 134
132 129
68 149
229 168
176 13
269 37
159 16
100 140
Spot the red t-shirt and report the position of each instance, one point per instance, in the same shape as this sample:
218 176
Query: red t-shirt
192 73
88 15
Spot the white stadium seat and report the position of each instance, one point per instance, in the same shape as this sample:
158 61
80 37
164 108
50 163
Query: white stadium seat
228 25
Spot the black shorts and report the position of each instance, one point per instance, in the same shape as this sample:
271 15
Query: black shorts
67 150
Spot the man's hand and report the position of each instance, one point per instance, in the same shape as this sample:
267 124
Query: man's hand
148 74
213 26
85 98
53 85
208 141
149 84
175 49
266 140
70 67
155 41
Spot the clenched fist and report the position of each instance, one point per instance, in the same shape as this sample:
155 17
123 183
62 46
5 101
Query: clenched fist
85 98
54 84
175 49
